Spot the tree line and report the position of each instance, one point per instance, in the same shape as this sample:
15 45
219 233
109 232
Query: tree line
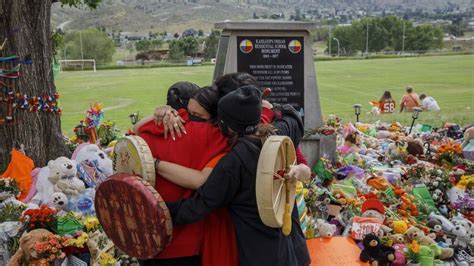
385 34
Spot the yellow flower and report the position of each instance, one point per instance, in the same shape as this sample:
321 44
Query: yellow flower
414 246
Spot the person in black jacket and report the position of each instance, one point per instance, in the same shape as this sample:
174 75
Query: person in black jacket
232 184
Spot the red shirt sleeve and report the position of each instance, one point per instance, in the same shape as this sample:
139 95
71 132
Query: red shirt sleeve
300 156
267 116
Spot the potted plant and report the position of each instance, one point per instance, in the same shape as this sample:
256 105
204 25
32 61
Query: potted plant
413 254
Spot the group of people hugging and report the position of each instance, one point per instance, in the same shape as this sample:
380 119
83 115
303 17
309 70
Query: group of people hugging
206 143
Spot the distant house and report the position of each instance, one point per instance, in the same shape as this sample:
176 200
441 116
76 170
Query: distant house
470 25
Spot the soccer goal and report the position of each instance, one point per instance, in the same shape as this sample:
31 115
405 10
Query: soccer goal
77 64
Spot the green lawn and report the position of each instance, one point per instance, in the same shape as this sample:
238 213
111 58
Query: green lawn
450 79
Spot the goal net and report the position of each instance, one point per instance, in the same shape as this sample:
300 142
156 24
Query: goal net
77 64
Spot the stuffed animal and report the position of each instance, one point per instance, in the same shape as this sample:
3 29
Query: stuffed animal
415 147
414 233
59 200
63 177
398 239
92 152
428 253
44 188
462 230
468 135
373 208
376 253
325 229
436 230
25 252
400 258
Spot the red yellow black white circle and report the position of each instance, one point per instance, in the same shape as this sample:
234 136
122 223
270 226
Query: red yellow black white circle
246 46
295 46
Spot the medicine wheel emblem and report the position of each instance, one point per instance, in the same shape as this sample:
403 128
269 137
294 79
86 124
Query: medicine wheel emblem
294 46
246 46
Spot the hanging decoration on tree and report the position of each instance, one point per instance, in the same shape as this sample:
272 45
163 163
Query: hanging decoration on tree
47 103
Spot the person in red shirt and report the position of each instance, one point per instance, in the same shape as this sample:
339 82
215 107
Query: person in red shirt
203 142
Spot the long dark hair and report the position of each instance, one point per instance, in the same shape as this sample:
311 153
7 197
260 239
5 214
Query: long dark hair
179 94
232 81
208 98
386 95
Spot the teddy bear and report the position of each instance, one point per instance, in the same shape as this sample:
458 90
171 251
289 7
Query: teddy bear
436 230
463 231
414 233
93 164
376 253
44 188
25 252
59 200
399 246
325 229
63 177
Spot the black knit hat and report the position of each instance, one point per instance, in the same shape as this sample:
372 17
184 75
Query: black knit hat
241 109
180 93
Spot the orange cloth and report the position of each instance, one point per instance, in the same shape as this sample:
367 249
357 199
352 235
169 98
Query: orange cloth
410 100
214 161
334 251
219 245
20 168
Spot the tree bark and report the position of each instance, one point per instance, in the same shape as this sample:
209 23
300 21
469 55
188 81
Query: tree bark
26 24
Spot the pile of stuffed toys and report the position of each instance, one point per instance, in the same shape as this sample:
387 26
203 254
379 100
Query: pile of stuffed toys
405 199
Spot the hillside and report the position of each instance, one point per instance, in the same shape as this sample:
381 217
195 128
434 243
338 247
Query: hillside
178 15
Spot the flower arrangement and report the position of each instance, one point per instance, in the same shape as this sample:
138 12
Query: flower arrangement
43 217
11 211
91 223
107 260
107 133
8 188
413 252
79 240
49 249
448 151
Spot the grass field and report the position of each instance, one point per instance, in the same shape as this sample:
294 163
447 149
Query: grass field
449 79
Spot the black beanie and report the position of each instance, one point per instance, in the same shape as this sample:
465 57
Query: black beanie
208 98
180 93
241 109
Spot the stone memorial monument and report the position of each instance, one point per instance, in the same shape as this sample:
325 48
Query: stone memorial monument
280 56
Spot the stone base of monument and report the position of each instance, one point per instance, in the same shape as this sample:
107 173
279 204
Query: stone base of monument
316 146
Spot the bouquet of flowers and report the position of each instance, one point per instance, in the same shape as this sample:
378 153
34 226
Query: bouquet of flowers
107 260
91 223
49 249
8 188
107 133
76 244
449 151
43 217
413 252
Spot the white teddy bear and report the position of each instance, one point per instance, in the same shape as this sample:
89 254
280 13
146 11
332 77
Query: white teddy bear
91 152
44 188
63 176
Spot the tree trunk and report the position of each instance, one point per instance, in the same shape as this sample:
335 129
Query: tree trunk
26 24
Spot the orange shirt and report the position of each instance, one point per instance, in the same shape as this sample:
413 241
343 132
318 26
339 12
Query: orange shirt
410 100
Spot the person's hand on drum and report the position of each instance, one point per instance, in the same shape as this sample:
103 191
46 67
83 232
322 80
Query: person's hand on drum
300 172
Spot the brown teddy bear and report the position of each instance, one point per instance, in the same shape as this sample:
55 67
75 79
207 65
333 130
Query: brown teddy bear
398 239
414 233
26 252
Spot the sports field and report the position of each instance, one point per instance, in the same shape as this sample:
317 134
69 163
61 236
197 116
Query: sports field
449 79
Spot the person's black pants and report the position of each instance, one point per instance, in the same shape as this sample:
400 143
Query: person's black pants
184 261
